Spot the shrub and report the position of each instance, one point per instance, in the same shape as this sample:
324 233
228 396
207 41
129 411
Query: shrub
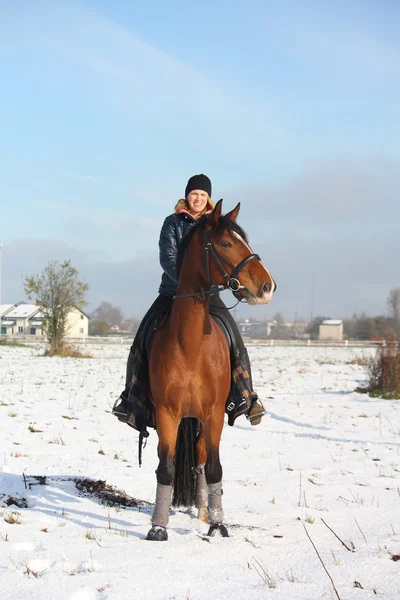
384 372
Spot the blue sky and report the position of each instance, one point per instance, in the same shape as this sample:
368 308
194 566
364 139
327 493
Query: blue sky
107 108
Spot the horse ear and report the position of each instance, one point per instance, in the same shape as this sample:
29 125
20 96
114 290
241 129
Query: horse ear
216 213
232 216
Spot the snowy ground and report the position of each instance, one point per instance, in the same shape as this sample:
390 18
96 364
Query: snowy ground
325 452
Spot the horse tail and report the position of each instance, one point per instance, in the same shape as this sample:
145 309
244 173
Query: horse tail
184 491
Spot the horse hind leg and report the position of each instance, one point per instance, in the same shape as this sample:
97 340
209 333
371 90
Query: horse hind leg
201 500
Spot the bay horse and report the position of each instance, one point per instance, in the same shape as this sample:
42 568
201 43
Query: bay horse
190 368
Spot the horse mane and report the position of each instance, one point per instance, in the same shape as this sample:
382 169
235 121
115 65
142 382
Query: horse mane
223 224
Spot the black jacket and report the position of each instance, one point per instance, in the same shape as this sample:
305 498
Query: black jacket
173 231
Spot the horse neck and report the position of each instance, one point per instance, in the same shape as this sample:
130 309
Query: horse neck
190 316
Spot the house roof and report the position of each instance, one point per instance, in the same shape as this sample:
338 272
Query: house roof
332 322
4 308
27 311
5 323
23 311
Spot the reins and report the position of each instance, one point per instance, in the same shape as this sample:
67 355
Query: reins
232 282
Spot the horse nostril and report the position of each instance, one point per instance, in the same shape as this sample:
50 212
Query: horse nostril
267 288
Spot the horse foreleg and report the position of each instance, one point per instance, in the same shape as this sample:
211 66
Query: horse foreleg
213 472
201 501
167 432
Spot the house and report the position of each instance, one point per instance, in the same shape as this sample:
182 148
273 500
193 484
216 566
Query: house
16 320
331 330
5 327
77 323
27 319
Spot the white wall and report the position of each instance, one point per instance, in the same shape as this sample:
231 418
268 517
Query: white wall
77 324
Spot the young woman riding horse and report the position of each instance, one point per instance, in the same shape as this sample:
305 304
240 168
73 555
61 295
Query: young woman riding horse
135 406
189 363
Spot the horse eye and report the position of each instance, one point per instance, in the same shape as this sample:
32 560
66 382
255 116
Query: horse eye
226 245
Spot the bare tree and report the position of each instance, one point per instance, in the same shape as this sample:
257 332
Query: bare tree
57 290
106 312
393 302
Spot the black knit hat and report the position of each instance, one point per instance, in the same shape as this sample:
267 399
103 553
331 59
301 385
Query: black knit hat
198 182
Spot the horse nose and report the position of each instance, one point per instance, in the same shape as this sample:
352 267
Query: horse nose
267 287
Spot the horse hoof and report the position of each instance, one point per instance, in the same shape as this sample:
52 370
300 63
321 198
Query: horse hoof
157 534
218 528
203 515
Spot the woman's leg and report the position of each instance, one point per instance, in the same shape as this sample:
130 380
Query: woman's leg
256 410
161 304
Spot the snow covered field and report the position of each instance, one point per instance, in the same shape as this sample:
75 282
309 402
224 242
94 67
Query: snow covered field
324 452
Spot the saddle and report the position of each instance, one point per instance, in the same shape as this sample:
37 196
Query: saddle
157 319
240 395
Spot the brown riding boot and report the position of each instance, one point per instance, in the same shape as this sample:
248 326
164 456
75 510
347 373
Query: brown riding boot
256 412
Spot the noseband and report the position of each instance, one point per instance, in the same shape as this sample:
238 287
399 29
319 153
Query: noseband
232 281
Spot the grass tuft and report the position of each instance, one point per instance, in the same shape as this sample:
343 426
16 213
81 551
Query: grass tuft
66 351
13 518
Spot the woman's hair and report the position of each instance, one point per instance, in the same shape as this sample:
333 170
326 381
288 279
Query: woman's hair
183 203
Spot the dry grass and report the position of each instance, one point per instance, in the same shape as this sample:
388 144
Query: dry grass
384 372
361 361
66 351
12 518
13 343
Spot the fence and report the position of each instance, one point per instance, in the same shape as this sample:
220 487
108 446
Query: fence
127 339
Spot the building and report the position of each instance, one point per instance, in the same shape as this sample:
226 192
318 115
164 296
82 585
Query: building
5 327
252 328
287 329
77 323
19 320
27 319
331 330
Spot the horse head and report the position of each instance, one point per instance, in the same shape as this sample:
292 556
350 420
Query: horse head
231 261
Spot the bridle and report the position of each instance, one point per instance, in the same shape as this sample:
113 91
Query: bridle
232 280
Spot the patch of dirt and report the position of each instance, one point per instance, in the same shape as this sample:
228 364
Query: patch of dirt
13 501
90 488
107 494
395 557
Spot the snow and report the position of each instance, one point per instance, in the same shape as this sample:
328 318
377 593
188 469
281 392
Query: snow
5 308
23 311
324 452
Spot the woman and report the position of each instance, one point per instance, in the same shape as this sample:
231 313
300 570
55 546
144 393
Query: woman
134 406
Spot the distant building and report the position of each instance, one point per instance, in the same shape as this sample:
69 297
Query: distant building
288 329
331 330
253 328
273 329
27 319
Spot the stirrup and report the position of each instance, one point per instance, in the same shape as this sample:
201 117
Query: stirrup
259 412
118 411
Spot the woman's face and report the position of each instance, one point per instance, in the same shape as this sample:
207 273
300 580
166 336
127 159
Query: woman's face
197 201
